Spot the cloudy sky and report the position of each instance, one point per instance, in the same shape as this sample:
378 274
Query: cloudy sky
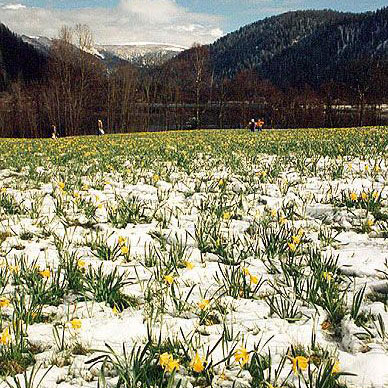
181 22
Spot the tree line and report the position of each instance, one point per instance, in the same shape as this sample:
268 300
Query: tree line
74 90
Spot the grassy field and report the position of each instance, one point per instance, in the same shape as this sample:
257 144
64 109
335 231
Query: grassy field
195 259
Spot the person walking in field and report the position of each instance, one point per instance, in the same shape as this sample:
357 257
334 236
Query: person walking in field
54 134
252 125
100 128
260 124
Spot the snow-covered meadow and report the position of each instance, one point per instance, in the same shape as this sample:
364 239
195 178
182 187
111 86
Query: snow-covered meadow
198 259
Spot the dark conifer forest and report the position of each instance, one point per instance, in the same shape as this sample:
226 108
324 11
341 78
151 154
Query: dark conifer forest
18 60
310 47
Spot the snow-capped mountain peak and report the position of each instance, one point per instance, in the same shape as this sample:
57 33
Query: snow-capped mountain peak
143 53
137 53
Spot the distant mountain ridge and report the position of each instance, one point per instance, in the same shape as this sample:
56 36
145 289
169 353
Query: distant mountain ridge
43 44
139 54
142 54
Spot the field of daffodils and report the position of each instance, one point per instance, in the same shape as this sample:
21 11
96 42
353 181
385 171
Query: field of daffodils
221 259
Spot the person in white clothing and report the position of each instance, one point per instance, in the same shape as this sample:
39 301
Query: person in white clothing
54 134
252 125
100 128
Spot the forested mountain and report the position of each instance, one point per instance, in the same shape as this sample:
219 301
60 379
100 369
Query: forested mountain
303 46
18 60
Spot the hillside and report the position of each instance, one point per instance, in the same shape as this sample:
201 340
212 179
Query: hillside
40 43
18 59
303 46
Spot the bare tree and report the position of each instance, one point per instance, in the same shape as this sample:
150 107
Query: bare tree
122 95
75 81
200 64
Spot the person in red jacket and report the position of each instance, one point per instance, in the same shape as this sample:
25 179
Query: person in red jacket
260 124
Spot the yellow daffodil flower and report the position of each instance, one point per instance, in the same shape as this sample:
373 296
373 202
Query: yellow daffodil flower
241 356
76 323
353 196
292 247
246 271
13 268
167 362
227 216
164 359
5 336
4 302
81 264
336 368
299 363
189 264
45 273
328 276
254 279
172 365
124 250
168 279
204 304
197 364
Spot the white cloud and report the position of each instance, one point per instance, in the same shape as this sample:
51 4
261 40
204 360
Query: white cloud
159 11
131 20
13 7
